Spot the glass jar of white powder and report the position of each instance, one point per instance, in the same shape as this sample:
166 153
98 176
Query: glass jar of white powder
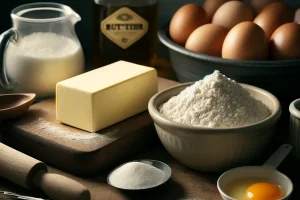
41 49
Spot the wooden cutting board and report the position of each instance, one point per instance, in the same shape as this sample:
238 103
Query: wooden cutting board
40 135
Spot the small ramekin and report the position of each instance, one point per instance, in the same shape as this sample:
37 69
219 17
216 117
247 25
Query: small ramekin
294 129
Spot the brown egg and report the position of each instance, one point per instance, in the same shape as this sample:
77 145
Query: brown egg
274 15
185 21
211 6
207 39
258 5
285 42
232 13
245 41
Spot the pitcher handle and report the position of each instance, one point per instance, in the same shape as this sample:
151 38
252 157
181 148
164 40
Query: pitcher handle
10 34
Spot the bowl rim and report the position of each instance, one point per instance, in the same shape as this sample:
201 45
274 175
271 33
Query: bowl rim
189 129
163 36
293 108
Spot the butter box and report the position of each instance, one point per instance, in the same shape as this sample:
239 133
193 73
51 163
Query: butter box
104 96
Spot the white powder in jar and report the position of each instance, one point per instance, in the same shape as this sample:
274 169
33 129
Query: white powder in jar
136 175
38 61
215 101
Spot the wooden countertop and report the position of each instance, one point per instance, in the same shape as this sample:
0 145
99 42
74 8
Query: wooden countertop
185 183
182 184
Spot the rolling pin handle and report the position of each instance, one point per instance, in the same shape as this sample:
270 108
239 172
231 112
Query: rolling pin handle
59 187
18 167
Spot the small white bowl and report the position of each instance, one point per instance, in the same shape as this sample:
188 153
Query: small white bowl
294 131
267 172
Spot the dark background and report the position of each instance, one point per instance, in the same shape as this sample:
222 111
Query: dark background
84 28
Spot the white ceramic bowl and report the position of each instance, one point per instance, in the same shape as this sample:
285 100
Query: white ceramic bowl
294 130
214 149
265 173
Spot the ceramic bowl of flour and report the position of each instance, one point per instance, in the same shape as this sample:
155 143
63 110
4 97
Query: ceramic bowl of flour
214 149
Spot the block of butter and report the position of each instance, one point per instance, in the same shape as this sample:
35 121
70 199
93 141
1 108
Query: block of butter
104 96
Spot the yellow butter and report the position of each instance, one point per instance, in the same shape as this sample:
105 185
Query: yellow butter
104 96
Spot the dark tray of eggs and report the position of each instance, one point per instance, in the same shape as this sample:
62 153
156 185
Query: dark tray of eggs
255 42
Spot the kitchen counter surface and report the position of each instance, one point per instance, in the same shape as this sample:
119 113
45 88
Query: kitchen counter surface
180 186
185 183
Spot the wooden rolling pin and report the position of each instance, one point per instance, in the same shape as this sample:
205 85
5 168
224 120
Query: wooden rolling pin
31 173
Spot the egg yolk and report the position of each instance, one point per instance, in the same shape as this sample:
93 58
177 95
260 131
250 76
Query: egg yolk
263 191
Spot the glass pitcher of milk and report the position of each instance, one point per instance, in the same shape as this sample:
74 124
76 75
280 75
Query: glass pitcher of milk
40 49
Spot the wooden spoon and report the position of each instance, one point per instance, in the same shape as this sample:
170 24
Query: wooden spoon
14 105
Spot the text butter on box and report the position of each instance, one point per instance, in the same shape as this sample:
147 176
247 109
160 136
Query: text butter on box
105 96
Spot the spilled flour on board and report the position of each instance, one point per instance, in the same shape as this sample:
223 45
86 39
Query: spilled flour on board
74 138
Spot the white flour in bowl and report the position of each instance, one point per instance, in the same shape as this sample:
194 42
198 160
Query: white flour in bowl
38 61
215 101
